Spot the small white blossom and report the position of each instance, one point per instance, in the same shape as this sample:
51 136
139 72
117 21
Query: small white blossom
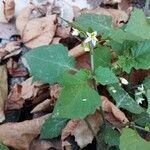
140 100
140 90
124 81
75 32
91 38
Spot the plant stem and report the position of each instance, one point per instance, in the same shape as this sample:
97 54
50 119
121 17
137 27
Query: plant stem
94 81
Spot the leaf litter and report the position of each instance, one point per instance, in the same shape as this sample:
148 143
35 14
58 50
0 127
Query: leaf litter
38 23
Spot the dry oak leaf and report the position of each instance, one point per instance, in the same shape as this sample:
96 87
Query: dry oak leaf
30 89
3 91
9 50
55 91
7 10
35 32
109 107
118 16
20 135
14 100
80 130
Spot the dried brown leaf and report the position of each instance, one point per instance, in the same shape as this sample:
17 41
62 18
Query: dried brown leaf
55 91
20 135
109 107
7 11
43 106
3 91
9 50
63 32
111 1
35 31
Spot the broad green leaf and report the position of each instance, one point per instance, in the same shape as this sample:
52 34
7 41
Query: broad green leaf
111 136
77 99
102 56
99 23
138 58
105 76
123 99
138 24
3 147
48 63
130 140
52 127
147 82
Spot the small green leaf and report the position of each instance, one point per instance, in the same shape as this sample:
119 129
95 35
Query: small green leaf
123 99
130 140
52 127
138 58
48 63
77 99
102 56
105 76
138 25
111 136
99 23
3 147
147 82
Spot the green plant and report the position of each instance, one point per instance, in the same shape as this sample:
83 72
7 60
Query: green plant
78 98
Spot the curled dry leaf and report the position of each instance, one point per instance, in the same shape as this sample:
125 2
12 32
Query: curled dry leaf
20 135
9 50
63 32
3 91
118 16
43 106
111 1
35 31
56 40
7 10
81 131
30 89
109 107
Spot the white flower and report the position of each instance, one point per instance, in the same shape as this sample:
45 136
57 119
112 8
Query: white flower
140 100
140 90
124 81
91 38
75 32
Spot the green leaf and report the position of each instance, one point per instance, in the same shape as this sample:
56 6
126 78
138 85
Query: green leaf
138 58
77 99
123 99
138 25
52 127
105 76
147 82
130 140
102 56
111 136
48 63
3 147
99 23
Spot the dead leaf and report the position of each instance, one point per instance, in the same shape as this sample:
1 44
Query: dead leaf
63 32
20 135
77 51
55 91
81 131
30 89
7 11
56 40
3 91
43 106
14 100
35 31
14 70
53 144
9 50
111 1
109 107
118 16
